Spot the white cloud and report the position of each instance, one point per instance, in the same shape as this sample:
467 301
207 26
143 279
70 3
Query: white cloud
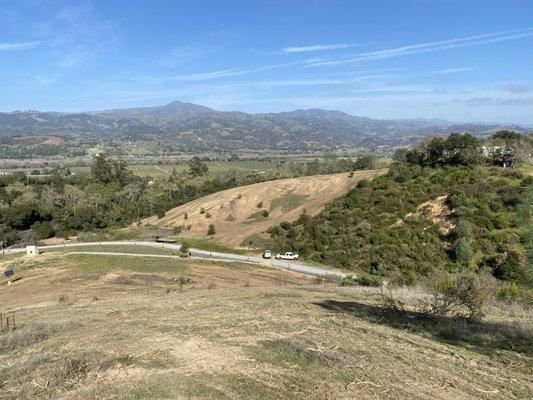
454 70
433 46
314 82
319 47
19 46
208 75
228 72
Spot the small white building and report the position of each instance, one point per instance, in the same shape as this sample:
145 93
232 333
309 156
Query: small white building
32 250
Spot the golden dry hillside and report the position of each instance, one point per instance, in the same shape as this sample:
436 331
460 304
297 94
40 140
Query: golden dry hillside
242 212
119 328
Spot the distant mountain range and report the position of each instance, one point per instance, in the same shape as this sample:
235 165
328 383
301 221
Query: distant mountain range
192 127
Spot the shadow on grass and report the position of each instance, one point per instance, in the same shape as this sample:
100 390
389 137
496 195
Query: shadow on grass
483 337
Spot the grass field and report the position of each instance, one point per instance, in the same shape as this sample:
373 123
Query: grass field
215 167
113 249
92 328
163 171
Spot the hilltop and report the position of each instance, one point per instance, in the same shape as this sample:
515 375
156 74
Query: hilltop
247 212
91 327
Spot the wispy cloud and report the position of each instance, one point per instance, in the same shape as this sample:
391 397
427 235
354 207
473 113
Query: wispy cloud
19 46
208 75
319 47
454 70
228 72
314 81
517 88
498 101
432 46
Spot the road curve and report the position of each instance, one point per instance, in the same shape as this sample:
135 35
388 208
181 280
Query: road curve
197 254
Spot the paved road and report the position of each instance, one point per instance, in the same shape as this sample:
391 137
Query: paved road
197 254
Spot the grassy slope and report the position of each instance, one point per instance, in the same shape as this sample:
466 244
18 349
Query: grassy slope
236 213
222 336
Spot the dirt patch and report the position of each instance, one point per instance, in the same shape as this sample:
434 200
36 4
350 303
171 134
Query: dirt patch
53 141
437 211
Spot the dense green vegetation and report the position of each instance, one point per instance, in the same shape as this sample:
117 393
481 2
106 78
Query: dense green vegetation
481 221
111 196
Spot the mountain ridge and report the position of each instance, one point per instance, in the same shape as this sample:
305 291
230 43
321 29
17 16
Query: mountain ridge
190 127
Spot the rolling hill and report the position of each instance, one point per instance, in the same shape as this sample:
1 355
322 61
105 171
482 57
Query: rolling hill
189 127
239 213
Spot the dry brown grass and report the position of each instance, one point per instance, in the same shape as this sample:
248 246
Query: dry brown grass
240 332
235 212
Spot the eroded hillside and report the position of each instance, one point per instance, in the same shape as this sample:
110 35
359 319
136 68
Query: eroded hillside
240 213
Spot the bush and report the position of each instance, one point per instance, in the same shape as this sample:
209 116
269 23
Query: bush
265 214
464 230
369 280
508 266
510 292
211 230
260 204
362 280
462 250
202 210
184 249
462 294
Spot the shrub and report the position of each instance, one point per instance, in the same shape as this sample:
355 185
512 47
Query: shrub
508 266
202 210
285 225
369 280
363 183
211 230
184 249
207 215
265 213
182 281
463 294
260 204
362 280
462 250
510 292
464 229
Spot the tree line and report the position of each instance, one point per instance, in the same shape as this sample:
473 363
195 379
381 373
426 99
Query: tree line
111 196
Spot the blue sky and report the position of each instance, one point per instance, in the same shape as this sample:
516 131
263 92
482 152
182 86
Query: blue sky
462 60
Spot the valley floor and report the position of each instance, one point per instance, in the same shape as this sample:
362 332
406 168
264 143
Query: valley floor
89 327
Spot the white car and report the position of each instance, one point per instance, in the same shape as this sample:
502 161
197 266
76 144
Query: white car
267 254
289 255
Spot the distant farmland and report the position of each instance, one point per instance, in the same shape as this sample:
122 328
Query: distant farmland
215 167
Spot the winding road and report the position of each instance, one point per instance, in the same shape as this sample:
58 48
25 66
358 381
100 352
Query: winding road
195 254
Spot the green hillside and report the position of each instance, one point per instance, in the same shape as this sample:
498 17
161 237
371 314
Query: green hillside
440 207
